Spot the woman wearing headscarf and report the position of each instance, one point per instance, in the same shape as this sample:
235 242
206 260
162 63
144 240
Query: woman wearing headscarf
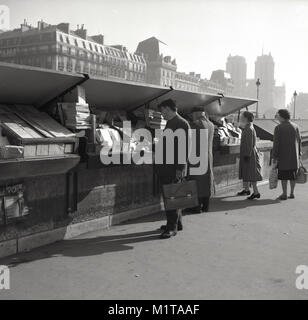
250 167
286 152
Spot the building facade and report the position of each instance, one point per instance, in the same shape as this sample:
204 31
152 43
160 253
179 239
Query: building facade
223 80
236 66
188 81
59 48
161 69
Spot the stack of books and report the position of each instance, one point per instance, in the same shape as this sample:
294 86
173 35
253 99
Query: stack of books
76 116
154 119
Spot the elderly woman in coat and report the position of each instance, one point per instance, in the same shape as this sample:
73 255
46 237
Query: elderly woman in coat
205 182
250 168
286 152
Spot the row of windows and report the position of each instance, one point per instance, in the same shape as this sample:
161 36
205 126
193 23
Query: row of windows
95 69
92 46
38 38
187 87
83 54
168 74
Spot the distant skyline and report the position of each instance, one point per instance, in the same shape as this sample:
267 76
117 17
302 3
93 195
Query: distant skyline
200 34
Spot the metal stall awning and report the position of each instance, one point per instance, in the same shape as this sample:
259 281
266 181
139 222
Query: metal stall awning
36 86
31 85
217 105
119 95
265 128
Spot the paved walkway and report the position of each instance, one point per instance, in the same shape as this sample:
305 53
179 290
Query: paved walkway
240 250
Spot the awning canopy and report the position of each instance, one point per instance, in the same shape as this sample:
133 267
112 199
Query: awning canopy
269 125
214 104
115 95
32 86
36 86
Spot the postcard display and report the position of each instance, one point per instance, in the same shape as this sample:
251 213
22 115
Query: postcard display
12 203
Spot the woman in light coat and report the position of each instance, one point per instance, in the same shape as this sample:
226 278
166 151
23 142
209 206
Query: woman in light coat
250 167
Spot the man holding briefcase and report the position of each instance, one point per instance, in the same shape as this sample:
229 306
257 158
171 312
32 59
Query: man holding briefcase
174 143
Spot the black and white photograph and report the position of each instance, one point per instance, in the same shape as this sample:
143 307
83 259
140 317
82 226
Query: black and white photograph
153 154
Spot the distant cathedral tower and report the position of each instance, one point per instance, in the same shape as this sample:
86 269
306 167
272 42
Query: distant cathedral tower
265 71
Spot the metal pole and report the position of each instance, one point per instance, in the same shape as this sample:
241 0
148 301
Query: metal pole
294 104
258 83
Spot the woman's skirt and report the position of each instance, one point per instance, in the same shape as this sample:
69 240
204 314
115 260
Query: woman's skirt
287 174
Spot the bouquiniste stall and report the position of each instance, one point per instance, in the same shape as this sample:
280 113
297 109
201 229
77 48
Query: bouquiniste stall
52 183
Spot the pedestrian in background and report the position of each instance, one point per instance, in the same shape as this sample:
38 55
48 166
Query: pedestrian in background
250 167
286 152
205 182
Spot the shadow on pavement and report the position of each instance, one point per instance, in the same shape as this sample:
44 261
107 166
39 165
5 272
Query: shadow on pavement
83 247
225 204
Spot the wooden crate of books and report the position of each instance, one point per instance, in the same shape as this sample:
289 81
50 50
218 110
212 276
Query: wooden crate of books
38 133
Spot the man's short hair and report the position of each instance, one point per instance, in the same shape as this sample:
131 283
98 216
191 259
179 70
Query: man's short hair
168 103
248 115
284 113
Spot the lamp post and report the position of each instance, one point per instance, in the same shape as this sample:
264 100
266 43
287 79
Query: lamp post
294 103
258 83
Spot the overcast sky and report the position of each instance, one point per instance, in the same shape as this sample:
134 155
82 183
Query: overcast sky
200 33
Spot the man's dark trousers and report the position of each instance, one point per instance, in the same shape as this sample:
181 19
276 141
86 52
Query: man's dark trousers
174 217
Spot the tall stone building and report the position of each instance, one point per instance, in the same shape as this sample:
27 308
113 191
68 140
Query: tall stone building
60 48
265 71
236 66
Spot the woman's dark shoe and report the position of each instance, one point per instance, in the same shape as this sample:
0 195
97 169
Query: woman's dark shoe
292 196
254 196
244 193
168 234
195 210
283 197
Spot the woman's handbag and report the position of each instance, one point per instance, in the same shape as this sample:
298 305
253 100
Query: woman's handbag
302 175
273 178
180 195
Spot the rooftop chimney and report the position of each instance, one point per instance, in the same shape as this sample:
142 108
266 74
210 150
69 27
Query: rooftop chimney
24 26
82 33
99 38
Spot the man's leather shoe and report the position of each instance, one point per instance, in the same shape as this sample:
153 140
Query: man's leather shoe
168 234
195 210
164 227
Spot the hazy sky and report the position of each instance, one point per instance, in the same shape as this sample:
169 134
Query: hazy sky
200 33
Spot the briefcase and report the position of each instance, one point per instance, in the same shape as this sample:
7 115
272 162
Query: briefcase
180 195
273 178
